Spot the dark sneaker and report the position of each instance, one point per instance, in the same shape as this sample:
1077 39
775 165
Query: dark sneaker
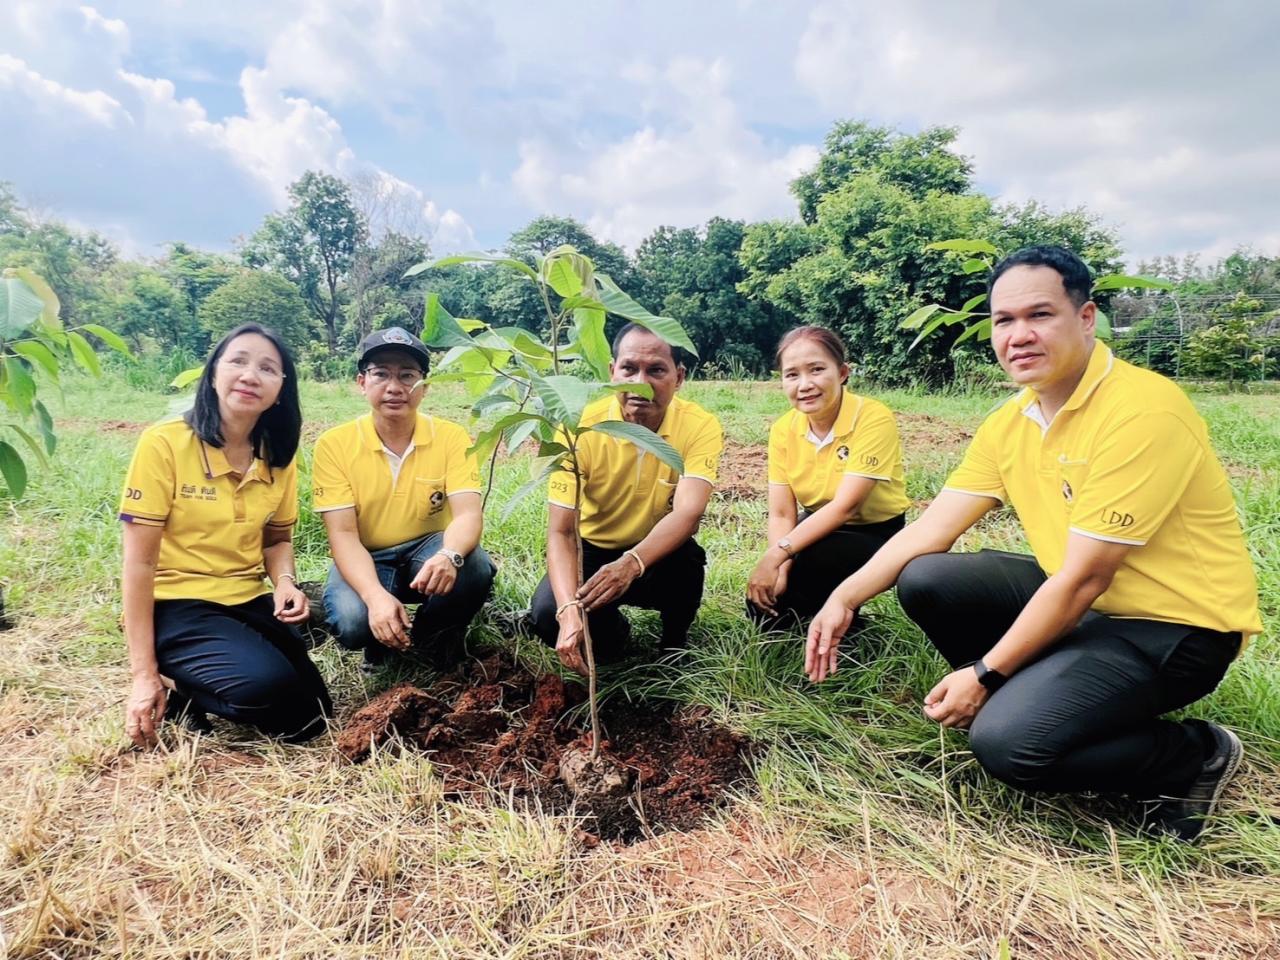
374 659
179 709
1184 816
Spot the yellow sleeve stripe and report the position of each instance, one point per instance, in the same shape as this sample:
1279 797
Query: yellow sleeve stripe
976 493
869 476
563 506
1099 536
281 523
454 493
696 476
341 506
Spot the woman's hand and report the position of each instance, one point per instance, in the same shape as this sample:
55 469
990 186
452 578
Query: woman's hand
291 604
768 581
144 709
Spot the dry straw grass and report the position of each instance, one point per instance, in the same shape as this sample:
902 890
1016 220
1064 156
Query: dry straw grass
211 848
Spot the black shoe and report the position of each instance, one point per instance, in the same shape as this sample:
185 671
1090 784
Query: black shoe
1184 815
179 709
374 659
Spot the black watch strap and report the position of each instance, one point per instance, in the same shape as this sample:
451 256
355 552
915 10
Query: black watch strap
993 680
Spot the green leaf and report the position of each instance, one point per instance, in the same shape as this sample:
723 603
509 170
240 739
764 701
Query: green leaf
981 330
918 317
30 441
974 265
51 315
45 422
973 303
20 307
644 438
186 378
525 489
439 328
562 274
521 432
932 325
524 343
13 470
110 338
563 398
588 326
1102 325
639 389
38 353
582 300
83 353
620 304
519 265
493 403
1120 281
19 384
962 245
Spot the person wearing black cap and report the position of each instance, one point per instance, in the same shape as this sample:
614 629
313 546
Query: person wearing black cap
400 497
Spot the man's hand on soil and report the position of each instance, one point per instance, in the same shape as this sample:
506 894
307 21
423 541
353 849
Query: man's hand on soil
389 621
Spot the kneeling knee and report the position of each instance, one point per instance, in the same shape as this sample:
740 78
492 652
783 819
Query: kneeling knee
1009 755
918 582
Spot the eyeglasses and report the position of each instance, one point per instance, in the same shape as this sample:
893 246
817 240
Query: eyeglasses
380 376
265 369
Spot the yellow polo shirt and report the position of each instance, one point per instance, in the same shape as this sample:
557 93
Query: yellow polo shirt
1127 459
863 443
213 518
350 469
626 491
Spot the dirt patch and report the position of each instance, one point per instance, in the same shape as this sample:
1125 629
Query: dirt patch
921 432
103 426
502 728
743 471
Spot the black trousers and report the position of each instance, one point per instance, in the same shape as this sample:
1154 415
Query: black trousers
241 663
821 567
672 586
1085 715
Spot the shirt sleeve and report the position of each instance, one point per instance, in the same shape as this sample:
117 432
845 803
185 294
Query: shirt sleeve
561 486
778 455
979 471
330 482
702 455
148 491
874 450
1135 475
286 514
461 472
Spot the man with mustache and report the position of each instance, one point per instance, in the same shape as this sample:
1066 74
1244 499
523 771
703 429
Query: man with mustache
638 517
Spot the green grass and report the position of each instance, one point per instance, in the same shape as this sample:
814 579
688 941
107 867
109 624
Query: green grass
853 761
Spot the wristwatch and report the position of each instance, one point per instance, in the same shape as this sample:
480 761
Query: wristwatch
454 556
993 680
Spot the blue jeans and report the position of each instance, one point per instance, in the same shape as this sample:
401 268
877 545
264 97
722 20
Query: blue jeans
396 567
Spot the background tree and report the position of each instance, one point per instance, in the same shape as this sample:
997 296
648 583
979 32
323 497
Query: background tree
693 276
313 245
255 296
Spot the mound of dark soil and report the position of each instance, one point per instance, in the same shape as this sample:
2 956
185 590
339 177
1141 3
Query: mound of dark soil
501 727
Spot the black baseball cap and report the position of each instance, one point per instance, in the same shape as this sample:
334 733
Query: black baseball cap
392 338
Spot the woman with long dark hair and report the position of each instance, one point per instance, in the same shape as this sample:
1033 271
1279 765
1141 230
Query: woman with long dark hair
208 507
836 489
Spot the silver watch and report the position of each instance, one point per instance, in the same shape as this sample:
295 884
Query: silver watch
454 556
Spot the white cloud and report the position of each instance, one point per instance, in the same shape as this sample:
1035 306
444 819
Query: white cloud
705 161
20 82
1162 124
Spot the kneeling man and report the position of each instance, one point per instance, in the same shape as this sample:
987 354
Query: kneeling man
1140 590
638 516
400 498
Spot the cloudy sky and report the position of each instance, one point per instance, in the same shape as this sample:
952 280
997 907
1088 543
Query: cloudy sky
158 120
